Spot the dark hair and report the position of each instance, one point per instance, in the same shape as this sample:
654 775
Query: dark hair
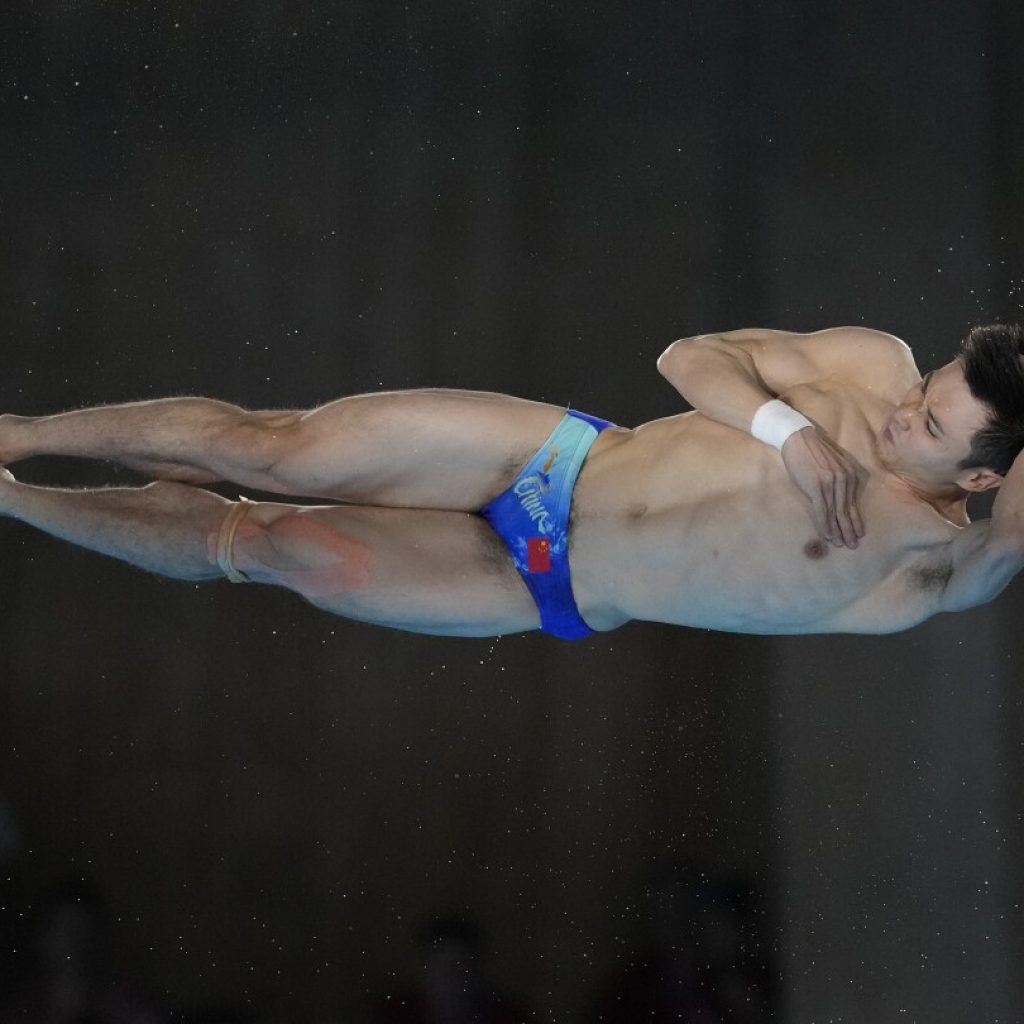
991 360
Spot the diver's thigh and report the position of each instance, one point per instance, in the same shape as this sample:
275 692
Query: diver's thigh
415 569
438 449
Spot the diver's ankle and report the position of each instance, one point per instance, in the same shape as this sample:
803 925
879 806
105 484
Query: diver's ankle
14 431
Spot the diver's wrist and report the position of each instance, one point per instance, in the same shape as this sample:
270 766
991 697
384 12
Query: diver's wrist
775 422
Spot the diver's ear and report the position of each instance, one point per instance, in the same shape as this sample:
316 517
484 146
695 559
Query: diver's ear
978 479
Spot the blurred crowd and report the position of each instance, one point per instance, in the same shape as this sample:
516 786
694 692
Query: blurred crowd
700 959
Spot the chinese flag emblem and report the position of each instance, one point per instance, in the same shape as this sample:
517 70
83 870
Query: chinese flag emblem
538 554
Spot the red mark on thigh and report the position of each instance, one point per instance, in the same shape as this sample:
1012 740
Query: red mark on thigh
336 562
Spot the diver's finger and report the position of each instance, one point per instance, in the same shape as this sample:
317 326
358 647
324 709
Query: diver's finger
855 513
828 502
843 517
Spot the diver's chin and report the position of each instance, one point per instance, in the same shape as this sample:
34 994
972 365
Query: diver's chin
889 454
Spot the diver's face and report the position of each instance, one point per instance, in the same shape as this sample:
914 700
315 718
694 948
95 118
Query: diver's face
929 432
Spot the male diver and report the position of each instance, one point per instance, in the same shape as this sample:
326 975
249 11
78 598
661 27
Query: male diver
820 485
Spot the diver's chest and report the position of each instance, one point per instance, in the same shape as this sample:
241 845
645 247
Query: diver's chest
795 564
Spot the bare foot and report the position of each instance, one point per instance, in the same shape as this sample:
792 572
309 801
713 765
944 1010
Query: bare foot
6 479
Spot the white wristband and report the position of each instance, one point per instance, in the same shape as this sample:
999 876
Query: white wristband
775 421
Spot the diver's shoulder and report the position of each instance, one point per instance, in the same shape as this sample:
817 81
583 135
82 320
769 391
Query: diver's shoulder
878 361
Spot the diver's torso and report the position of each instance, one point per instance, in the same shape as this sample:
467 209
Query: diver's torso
687 521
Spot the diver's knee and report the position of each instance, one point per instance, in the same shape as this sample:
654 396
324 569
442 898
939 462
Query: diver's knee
317 558
292 548
240 545
257 442
287 449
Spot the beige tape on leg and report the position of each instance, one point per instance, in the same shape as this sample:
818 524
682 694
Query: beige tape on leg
226 539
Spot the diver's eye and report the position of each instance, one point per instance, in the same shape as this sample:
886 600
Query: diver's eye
928 420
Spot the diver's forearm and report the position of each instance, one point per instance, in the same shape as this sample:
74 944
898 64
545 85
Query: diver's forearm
718 380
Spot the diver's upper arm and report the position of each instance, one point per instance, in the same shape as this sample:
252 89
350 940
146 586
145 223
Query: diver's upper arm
783 359
979 566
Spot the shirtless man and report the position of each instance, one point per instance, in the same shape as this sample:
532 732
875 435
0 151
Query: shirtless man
851 520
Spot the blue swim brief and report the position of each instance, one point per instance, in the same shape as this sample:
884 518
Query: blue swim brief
532 518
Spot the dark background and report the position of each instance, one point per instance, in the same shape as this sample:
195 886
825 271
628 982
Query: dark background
279 203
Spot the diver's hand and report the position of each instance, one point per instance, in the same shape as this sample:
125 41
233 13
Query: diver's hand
832 481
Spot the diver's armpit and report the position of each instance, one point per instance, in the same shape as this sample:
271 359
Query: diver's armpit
933 576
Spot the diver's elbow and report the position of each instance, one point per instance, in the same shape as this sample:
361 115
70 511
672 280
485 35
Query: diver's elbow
673 358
